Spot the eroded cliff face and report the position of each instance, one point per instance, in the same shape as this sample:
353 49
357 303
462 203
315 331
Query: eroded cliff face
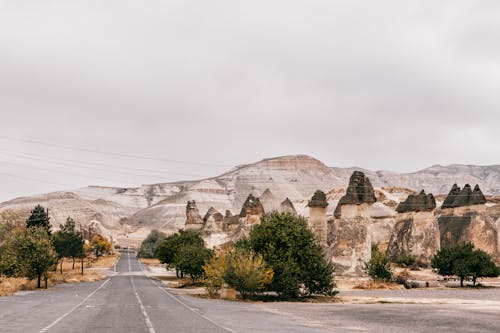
351 240
416 233
469 224
351 228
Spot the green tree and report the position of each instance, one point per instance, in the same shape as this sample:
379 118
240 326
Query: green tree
167 250
39 218
69 226
464 261
150 244
481 265
33 253
189 259
67 245
247 272
289 247
378 267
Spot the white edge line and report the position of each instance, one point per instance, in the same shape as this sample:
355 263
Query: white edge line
143 309
74 308
191 309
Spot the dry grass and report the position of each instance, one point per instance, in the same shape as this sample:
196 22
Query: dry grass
151 262
8 286
378 285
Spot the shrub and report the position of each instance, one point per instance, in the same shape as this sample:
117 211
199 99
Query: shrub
405 260
247 272
378 267
214 270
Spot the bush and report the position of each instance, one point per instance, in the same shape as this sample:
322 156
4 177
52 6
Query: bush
214 270
405 260
247 272
150 244
289 247
378 267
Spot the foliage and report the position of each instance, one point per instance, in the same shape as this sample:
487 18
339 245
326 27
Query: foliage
100 245
39 218
29 253
150 244
214 270
167 250
67 245
405 260
463 261
247 272
289 247
378 267
69 226
190 259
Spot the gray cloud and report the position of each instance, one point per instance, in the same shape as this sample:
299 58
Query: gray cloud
383 85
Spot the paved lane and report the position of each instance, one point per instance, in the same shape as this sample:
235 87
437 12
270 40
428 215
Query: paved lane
129 301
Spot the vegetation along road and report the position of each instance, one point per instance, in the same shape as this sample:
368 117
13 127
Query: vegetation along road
129 301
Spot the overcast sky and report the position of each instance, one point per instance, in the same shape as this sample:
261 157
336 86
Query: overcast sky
396 85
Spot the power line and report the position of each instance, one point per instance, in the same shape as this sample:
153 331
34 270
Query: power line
76 163
138 157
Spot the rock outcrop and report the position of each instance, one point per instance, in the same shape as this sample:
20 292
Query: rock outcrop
416 232
317 216
351 229
417 203
252 210
287 207
269 201
464 218
193 218
359 191
213 221
464 197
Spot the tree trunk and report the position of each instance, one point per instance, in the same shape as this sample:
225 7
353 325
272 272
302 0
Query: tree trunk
73 263
82 263
62 259
474 281
461 281
39 278
46 282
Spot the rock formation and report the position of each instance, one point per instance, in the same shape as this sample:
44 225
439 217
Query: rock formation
464 218
350 231
416 232
287 207
269 201
317 216
193 218
417 203
252 210
464 197
359 191
213 221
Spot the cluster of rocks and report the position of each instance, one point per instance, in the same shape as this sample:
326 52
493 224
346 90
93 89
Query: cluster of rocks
464 197
229 227
416 227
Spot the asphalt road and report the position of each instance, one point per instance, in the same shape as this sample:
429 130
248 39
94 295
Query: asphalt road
129 301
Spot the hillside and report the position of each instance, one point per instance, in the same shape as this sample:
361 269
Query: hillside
123 210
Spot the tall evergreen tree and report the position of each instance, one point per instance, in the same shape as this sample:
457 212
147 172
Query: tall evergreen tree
39 218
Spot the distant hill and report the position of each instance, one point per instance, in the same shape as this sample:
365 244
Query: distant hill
122 210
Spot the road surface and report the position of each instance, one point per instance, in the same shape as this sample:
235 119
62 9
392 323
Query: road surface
129 301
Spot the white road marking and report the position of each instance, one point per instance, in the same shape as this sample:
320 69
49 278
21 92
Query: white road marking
192 309
55 322
129 266
144 313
